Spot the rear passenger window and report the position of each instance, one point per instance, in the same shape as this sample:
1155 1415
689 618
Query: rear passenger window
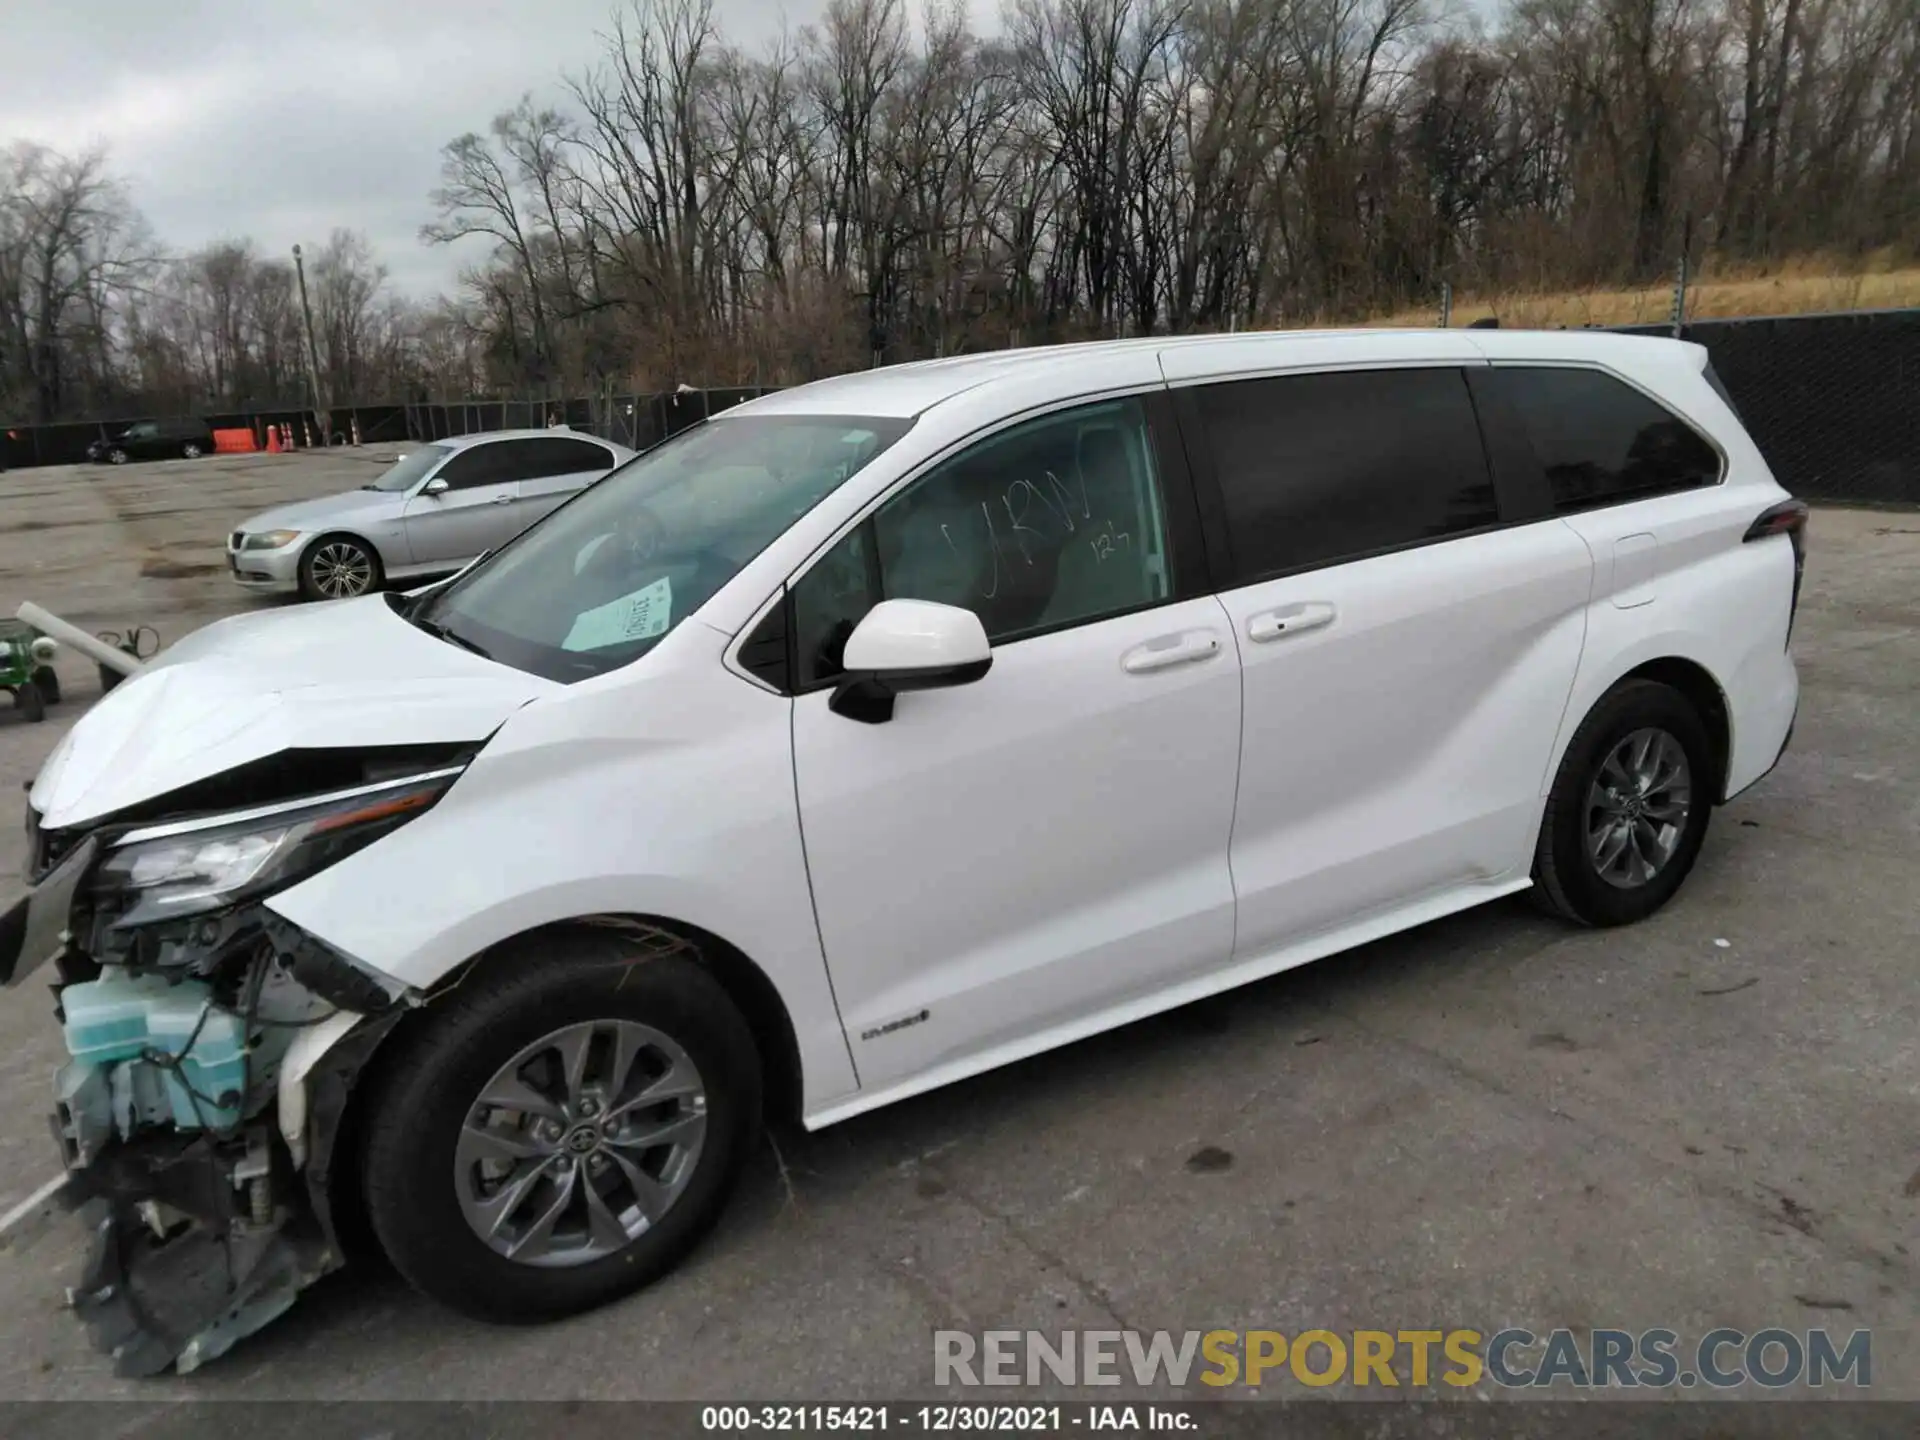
1315 469
1602 442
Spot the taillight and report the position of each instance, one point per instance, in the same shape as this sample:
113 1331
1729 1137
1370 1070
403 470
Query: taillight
1788 518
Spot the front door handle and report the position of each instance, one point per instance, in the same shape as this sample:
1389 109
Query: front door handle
1166 651
1289 620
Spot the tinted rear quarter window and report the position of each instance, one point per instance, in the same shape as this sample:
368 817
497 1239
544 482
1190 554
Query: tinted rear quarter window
570 457
1602 442
1720 389
1316 469
560 457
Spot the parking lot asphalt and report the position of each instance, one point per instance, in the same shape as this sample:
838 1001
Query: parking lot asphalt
1705 1120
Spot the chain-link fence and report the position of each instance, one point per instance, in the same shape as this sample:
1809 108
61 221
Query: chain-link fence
66 444
634 420
1832 400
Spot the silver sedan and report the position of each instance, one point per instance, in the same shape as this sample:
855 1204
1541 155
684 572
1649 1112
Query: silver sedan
432 513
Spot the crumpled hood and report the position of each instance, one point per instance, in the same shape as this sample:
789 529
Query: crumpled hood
343 674
351 507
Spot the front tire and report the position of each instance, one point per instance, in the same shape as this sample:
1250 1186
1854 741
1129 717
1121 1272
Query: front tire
561 1130
1629 807
339 567
48 684
28 700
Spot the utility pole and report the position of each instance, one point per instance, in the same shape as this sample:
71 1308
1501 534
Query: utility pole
313 354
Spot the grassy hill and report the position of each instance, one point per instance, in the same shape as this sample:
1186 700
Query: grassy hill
1807 286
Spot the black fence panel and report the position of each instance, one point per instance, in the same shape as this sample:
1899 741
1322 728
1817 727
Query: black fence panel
718 400
1830 399
1833 401
24 445
378 424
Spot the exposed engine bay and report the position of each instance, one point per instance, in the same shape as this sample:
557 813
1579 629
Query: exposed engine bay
180 995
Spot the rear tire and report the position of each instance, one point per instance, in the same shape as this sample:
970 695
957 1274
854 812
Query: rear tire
28 700
429 1199
48 684
1629 808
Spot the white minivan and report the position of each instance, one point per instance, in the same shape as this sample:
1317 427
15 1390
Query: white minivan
873 734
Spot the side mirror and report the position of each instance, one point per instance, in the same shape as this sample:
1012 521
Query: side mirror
435 486
908 645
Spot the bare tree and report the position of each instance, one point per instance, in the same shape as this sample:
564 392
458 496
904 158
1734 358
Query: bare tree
890 186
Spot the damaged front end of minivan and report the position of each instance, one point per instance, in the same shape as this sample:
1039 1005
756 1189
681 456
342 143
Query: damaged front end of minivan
182 999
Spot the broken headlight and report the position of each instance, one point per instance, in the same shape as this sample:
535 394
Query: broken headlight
160 872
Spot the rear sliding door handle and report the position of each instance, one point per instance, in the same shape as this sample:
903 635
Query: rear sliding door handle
1289 620
503 499
1167 651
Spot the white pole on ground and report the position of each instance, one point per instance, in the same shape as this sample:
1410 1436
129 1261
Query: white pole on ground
91 646
26 1220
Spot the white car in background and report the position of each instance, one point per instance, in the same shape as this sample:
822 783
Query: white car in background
432 513
876 733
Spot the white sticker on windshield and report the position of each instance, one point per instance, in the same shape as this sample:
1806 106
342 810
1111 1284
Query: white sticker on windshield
638 616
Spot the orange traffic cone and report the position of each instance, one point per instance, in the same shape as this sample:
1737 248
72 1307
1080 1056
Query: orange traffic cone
273 439
286 442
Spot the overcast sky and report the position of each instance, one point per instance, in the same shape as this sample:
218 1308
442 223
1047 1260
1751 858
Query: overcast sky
281 119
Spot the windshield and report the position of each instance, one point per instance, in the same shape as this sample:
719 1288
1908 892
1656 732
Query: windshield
596 584
410 469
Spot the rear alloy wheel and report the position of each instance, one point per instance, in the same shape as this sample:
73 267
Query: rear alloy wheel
190 451
1629 808
338 567
1637 808
560 1130
118 457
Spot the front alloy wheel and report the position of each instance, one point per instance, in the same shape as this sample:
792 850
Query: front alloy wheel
580 1143
338 569
561 1128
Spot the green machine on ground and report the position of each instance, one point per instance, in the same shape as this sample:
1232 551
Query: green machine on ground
26 668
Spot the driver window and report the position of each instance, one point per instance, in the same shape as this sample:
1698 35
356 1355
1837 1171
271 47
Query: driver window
1048 524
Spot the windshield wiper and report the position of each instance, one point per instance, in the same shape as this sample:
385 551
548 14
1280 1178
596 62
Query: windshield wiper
442 632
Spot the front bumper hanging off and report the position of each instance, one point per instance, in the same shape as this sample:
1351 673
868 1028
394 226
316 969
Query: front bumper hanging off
190 1250
198 1238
